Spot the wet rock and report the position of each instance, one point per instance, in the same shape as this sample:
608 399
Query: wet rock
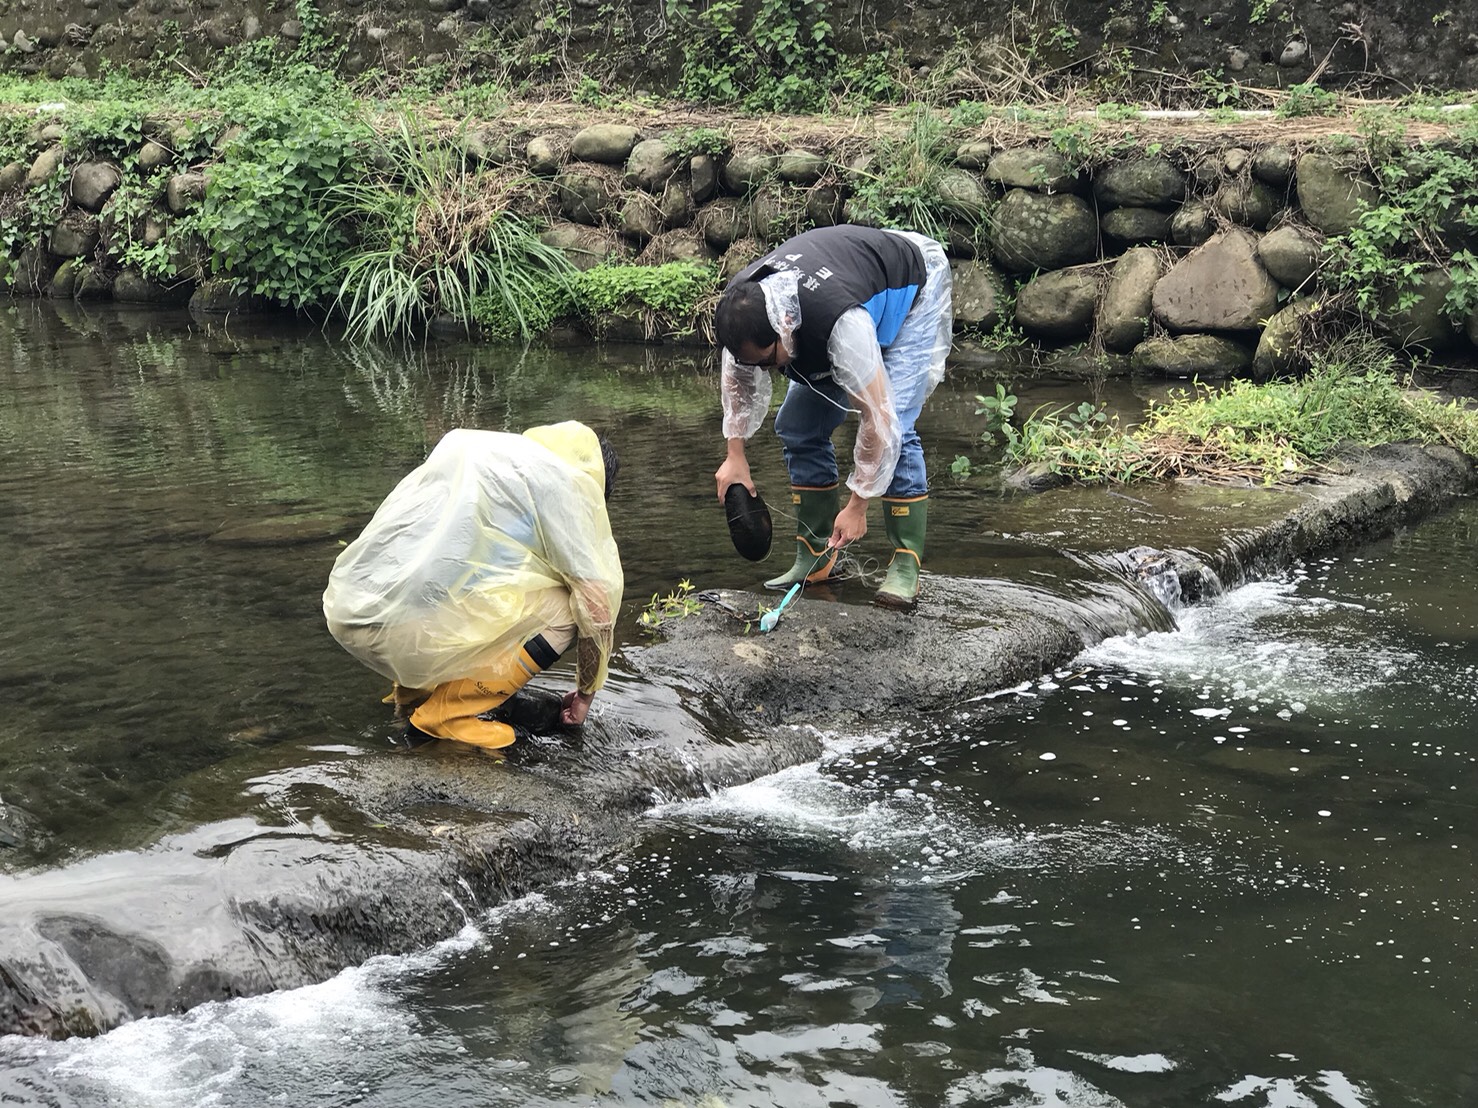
546 154
32 271
1031 167
75 236
223 298
608 143
801 167
1291 255
651 164
1058 306
1036 477
1220 286
1207 357
64 285
44 167
1124 311
724 222
1246 201
1192 224
978 293
585 196
1147 182
93 283
1032 230
93 183
1131 226
1424 322
132 287
1332 193
746 170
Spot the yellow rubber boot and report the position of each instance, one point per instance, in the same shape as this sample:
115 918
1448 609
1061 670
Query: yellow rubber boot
404 698
904 522
452 710
815 513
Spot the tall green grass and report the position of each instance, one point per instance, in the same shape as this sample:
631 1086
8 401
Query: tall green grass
435 236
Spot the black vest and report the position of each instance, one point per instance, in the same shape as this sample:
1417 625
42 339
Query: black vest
842 268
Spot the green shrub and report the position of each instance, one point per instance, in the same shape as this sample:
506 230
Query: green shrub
435 236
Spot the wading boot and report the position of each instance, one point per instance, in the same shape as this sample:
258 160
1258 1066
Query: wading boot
815 513
904 522
454 709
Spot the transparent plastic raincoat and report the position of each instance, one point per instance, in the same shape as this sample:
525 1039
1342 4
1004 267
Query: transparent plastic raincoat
491 540
913 365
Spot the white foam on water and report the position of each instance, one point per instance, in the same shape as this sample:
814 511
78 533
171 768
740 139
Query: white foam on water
1029 1086
1130 1063
306 1035
919 830
1263 641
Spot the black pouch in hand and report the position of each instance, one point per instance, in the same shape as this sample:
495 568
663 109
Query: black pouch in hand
749 523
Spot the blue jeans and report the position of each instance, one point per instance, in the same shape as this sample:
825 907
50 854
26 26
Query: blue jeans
805 422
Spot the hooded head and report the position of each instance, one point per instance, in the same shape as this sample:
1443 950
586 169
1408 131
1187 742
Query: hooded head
582 448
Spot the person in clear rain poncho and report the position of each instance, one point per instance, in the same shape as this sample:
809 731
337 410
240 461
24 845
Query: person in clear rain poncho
859 320
478 571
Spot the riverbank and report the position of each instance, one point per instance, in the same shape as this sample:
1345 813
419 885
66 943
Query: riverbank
394 851
1206 246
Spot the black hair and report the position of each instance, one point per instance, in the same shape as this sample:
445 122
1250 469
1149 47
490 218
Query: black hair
611 462
741 318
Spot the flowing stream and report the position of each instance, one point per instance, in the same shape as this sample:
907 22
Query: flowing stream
1229 863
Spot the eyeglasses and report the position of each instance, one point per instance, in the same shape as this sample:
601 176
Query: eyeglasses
769 360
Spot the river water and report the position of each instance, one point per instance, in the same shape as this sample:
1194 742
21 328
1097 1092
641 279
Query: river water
1227 864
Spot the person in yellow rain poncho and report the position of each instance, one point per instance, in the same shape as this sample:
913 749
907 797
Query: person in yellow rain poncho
479 570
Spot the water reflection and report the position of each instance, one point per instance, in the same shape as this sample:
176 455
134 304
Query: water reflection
1226 863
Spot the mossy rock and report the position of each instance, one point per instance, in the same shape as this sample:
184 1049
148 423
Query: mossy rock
1032 230
1203 356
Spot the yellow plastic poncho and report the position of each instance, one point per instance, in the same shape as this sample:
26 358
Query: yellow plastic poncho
491 540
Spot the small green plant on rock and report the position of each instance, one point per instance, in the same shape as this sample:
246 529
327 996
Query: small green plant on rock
997 410
678 604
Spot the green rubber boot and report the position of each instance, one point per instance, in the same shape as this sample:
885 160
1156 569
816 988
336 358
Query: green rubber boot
904 522
815 512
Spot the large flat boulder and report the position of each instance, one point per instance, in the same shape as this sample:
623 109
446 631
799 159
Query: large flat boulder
1219 286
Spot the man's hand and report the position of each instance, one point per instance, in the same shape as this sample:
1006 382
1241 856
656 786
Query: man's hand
851 523
575 707
734 471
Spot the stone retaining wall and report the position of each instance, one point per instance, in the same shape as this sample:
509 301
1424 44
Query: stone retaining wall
1202 262
1390 44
